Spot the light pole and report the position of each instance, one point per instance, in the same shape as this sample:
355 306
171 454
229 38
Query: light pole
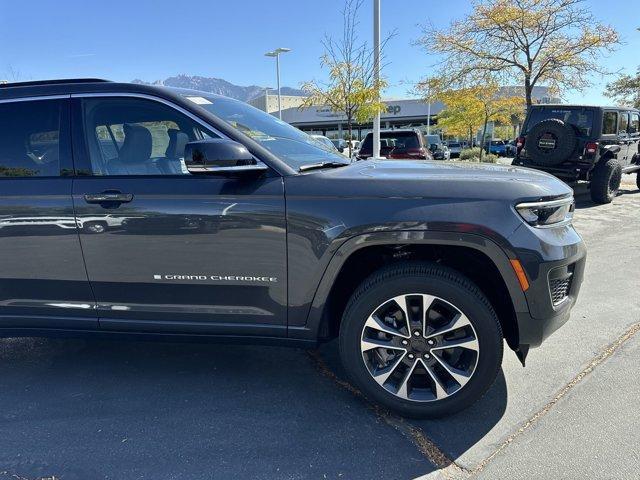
376 75
276 53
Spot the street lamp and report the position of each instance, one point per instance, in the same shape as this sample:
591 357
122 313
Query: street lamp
276 53
376 75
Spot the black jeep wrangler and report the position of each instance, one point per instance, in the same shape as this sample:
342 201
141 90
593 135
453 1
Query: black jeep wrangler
576 142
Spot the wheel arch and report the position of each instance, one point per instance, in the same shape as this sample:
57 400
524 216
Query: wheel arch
476 256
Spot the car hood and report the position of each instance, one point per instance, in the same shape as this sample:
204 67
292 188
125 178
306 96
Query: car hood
428 179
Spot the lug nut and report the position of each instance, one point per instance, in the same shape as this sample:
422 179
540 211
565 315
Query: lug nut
416 333
426 355
411 356
405 342
431 342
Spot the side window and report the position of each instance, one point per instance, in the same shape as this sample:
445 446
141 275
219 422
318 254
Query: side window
31 141
131 136
634 126
610 123
623 126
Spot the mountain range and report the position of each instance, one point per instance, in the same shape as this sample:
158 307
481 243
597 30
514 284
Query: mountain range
219 86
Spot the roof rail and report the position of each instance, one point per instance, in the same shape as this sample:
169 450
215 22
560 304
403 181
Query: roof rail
52 82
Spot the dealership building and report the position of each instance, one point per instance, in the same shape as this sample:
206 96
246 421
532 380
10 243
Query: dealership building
398 114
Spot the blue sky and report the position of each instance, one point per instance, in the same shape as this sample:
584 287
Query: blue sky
123 40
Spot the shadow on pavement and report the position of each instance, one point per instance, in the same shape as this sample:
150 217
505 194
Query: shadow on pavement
453 435
88 409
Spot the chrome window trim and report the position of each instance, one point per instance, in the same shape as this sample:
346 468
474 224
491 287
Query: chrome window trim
156 99
31 99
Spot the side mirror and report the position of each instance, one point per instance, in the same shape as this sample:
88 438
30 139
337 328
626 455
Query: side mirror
218 155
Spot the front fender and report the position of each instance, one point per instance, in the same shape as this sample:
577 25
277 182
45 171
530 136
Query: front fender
498 255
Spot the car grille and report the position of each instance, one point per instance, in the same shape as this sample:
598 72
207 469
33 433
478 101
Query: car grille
559 289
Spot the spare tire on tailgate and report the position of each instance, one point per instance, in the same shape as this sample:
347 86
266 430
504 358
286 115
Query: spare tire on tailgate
551 142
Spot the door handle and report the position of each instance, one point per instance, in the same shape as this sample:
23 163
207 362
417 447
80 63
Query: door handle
108 197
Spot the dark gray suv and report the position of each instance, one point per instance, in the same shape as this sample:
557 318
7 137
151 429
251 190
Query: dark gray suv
130 211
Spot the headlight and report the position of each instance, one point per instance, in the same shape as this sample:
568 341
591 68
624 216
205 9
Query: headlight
553 213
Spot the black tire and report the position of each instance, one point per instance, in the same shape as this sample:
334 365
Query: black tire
551 142
605 181
450 286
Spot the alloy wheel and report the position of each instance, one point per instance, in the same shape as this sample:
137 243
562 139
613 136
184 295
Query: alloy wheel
419 347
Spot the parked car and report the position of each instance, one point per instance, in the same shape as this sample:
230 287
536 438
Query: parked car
325 142
355 148
510 148
496 147
240 226
454 149
438 148
341 145
401 144
580 142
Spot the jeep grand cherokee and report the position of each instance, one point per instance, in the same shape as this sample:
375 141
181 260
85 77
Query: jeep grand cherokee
218 221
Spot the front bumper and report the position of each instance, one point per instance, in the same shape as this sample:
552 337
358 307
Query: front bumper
554 261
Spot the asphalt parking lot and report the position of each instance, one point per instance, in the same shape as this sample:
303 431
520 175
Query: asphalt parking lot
80 409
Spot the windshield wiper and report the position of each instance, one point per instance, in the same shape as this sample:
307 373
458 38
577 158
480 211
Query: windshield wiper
315 166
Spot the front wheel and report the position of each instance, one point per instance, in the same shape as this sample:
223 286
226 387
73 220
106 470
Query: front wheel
421 339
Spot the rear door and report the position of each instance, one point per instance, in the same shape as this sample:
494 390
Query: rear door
167 251
624 138
634 136
43 282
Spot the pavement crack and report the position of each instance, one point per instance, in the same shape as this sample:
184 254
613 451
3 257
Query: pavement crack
425 445
595 362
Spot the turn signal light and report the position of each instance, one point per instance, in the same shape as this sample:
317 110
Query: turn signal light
522 277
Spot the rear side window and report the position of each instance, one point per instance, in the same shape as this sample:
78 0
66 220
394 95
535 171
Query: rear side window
635 123
610 123
31 141
624 123
580 118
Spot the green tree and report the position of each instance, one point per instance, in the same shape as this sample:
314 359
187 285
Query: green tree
625 90
351 89
558 43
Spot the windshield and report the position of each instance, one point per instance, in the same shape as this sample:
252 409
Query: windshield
580 118
291 145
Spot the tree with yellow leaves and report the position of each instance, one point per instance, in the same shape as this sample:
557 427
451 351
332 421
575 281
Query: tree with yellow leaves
472 108
351 89
557 43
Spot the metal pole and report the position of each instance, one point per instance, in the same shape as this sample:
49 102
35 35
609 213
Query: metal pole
376 75
278 75
429 113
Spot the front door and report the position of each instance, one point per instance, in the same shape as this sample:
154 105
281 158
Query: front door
167 251
43 283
